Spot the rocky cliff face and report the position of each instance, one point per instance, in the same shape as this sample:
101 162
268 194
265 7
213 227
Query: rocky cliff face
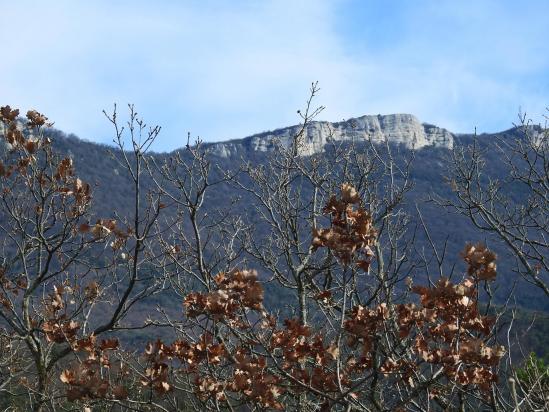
396 128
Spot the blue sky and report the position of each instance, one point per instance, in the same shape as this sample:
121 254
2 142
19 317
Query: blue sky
228 69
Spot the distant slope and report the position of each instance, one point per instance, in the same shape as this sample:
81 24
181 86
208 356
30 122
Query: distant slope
112 192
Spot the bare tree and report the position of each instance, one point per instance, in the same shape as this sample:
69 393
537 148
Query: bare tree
520 224
64 280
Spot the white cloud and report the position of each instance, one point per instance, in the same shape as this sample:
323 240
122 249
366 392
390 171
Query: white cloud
225 71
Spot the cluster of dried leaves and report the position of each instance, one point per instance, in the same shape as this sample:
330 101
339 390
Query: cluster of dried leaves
95 376
450 332
234 290
25 140
351 233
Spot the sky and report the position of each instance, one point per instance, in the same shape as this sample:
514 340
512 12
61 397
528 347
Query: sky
228 69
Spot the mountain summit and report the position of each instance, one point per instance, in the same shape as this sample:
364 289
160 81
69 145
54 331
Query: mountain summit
405 129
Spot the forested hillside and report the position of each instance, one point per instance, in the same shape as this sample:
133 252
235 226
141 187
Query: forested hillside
282 277
429 173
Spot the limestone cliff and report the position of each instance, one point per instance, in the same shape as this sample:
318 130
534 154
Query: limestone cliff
396 128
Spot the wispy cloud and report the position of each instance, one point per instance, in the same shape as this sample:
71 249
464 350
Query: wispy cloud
228 69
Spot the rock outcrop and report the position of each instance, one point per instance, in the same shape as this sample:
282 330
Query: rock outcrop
396 128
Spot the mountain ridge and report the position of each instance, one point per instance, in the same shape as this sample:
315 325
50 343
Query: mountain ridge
319 133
